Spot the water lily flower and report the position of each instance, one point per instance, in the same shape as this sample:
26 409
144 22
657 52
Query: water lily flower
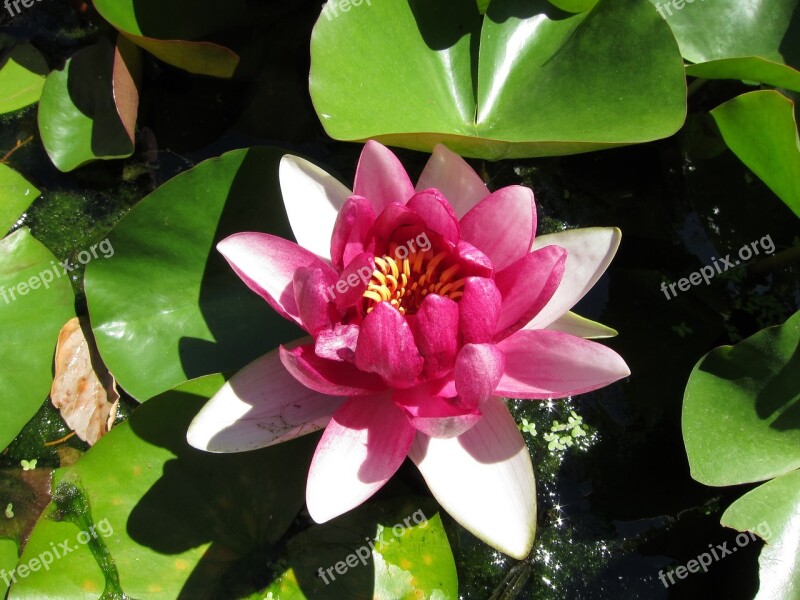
425 306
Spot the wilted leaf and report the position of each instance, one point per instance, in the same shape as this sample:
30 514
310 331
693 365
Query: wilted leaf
28 492
83 389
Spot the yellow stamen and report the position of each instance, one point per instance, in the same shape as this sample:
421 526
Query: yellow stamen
405 283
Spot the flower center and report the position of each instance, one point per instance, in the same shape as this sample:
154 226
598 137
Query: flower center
405 282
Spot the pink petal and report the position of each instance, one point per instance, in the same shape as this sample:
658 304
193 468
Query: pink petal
267 263
435 416
354 280
386 347
398 224
527 287
589 252
475 262
549 364
362 447
308 190
328 376
484 479
337 344
502 225
310 295
479 310
451 175
435 328
479 368
437 214
260 406
350 233
381 177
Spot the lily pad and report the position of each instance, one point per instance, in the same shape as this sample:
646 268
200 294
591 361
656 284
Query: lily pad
574 6
761 129
752 69
526 79
171 30
8 560
378 555
708 30
174 520
741 411
773 512
16 195
88 109
167 307
22 74
32 311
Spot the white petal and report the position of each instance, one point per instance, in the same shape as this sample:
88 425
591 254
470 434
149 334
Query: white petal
484 479
312 199
589 252
260 406
451 175
582 327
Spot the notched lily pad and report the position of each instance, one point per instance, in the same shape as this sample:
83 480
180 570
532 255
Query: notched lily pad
526 79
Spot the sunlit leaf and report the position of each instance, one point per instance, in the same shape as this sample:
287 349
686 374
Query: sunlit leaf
772 511
741 411
16 194
22 73
761 129
174 519
194 316
525 80
35 300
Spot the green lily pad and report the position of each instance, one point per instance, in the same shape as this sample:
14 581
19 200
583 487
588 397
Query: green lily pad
167 307
16 195
171 30
8 560
574 6
712 30
773 512
761 129
526 79
32 312
751 69
741 414
173 520
22 74
392 549
88 109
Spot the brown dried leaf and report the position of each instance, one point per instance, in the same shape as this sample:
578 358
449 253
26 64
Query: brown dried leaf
83 389
125 83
